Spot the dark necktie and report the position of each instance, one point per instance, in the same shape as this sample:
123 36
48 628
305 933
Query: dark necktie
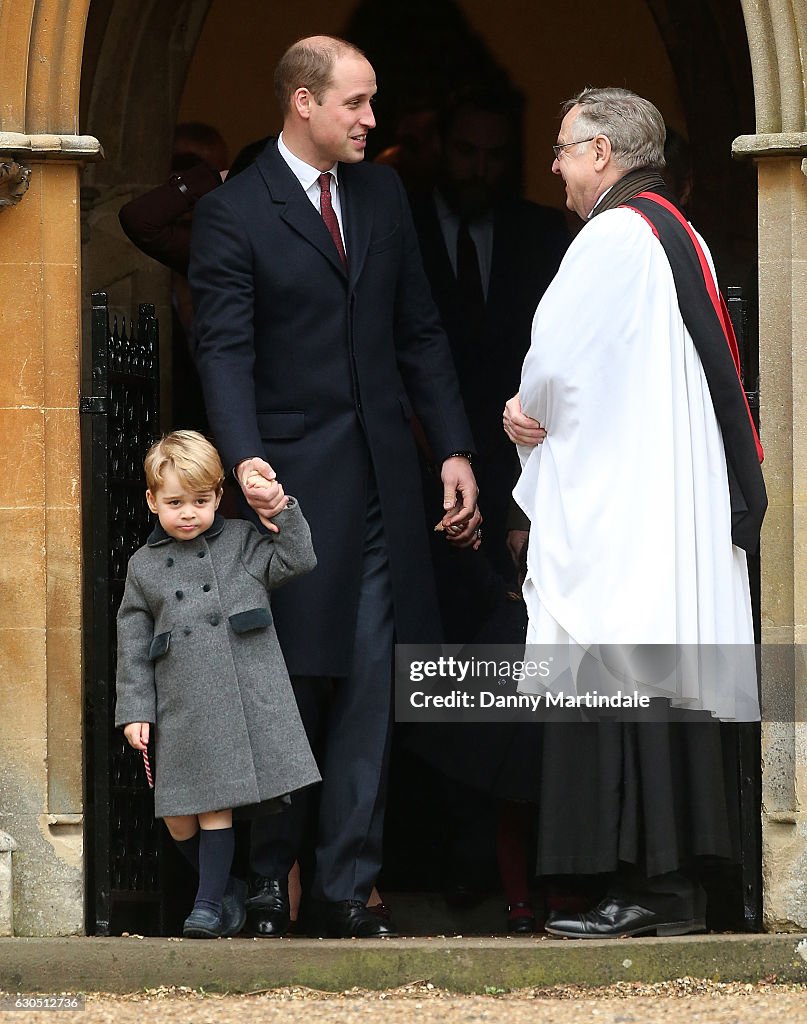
469 284
329 216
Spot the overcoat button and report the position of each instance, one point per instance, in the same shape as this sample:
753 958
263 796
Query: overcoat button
180 595
214 620
206 588
201 554
186 631
169 561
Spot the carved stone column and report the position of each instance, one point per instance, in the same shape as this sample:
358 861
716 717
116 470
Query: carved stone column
777 41
40 533
781 162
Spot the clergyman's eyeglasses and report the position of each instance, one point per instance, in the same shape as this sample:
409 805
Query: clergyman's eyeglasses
558 147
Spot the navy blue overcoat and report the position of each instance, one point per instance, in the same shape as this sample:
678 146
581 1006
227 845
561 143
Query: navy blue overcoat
320 370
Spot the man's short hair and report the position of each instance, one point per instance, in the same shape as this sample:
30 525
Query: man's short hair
633 125
191 456
308 64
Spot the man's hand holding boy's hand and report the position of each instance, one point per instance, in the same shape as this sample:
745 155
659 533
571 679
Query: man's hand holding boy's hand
137 733
262 490
462 520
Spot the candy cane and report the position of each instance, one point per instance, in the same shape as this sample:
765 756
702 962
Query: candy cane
147 766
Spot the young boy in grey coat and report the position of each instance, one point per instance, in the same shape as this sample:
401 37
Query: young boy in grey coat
199 659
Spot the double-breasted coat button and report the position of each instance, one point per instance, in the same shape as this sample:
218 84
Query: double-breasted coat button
180 595
214 620
206 588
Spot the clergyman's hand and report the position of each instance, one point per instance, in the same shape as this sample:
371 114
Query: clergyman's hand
519 427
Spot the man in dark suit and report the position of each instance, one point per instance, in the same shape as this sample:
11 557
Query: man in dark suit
317 339
489 256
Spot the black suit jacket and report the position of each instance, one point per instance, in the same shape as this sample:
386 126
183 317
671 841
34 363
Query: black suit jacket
319 370
529 242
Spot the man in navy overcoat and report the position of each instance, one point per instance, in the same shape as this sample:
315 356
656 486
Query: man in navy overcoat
317 342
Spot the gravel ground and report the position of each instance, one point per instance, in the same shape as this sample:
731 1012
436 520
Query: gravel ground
685 1001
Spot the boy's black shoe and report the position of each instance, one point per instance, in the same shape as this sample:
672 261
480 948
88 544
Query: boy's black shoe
202 923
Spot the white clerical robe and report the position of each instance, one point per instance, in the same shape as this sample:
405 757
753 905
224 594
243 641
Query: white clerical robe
628 498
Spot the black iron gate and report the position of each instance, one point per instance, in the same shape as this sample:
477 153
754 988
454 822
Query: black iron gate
749 745
120 419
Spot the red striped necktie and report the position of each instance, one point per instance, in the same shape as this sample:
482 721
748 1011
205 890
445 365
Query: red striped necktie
329 215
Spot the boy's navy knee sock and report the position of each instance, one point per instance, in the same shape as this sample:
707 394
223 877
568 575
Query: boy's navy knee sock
216 848
189 848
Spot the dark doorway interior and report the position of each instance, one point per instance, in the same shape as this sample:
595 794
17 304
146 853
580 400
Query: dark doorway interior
419 51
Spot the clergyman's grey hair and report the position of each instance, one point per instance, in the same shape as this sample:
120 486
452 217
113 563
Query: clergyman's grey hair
633 125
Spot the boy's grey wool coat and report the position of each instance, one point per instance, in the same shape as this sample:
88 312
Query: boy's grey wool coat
198 657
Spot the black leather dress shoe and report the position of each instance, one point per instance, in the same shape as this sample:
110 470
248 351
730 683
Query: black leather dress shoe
616 916
381 910
521 920
351 919
268 906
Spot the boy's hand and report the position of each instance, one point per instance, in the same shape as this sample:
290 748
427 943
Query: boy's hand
262 490
137 733
267 522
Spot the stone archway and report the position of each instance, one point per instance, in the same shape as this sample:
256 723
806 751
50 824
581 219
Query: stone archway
131 56
777 38
46 49
41 45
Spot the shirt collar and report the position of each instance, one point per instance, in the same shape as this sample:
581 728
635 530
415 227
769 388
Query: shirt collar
159 536
445 213
599 200
303 172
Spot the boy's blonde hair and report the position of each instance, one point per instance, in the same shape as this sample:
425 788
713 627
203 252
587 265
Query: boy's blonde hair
191 456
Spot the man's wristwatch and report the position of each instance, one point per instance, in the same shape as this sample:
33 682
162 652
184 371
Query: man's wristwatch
176 180
462 455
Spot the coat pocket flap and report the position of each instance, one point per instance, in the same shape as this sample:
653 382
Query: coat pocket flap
275 426
379 245
255 618
159 646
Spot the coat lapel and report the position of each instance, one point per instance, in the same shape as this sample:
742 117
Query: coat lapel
357 216
297 210
435 251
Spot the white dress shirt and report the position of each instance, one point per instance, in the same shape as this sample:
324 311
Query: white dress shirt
480 230
308 177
